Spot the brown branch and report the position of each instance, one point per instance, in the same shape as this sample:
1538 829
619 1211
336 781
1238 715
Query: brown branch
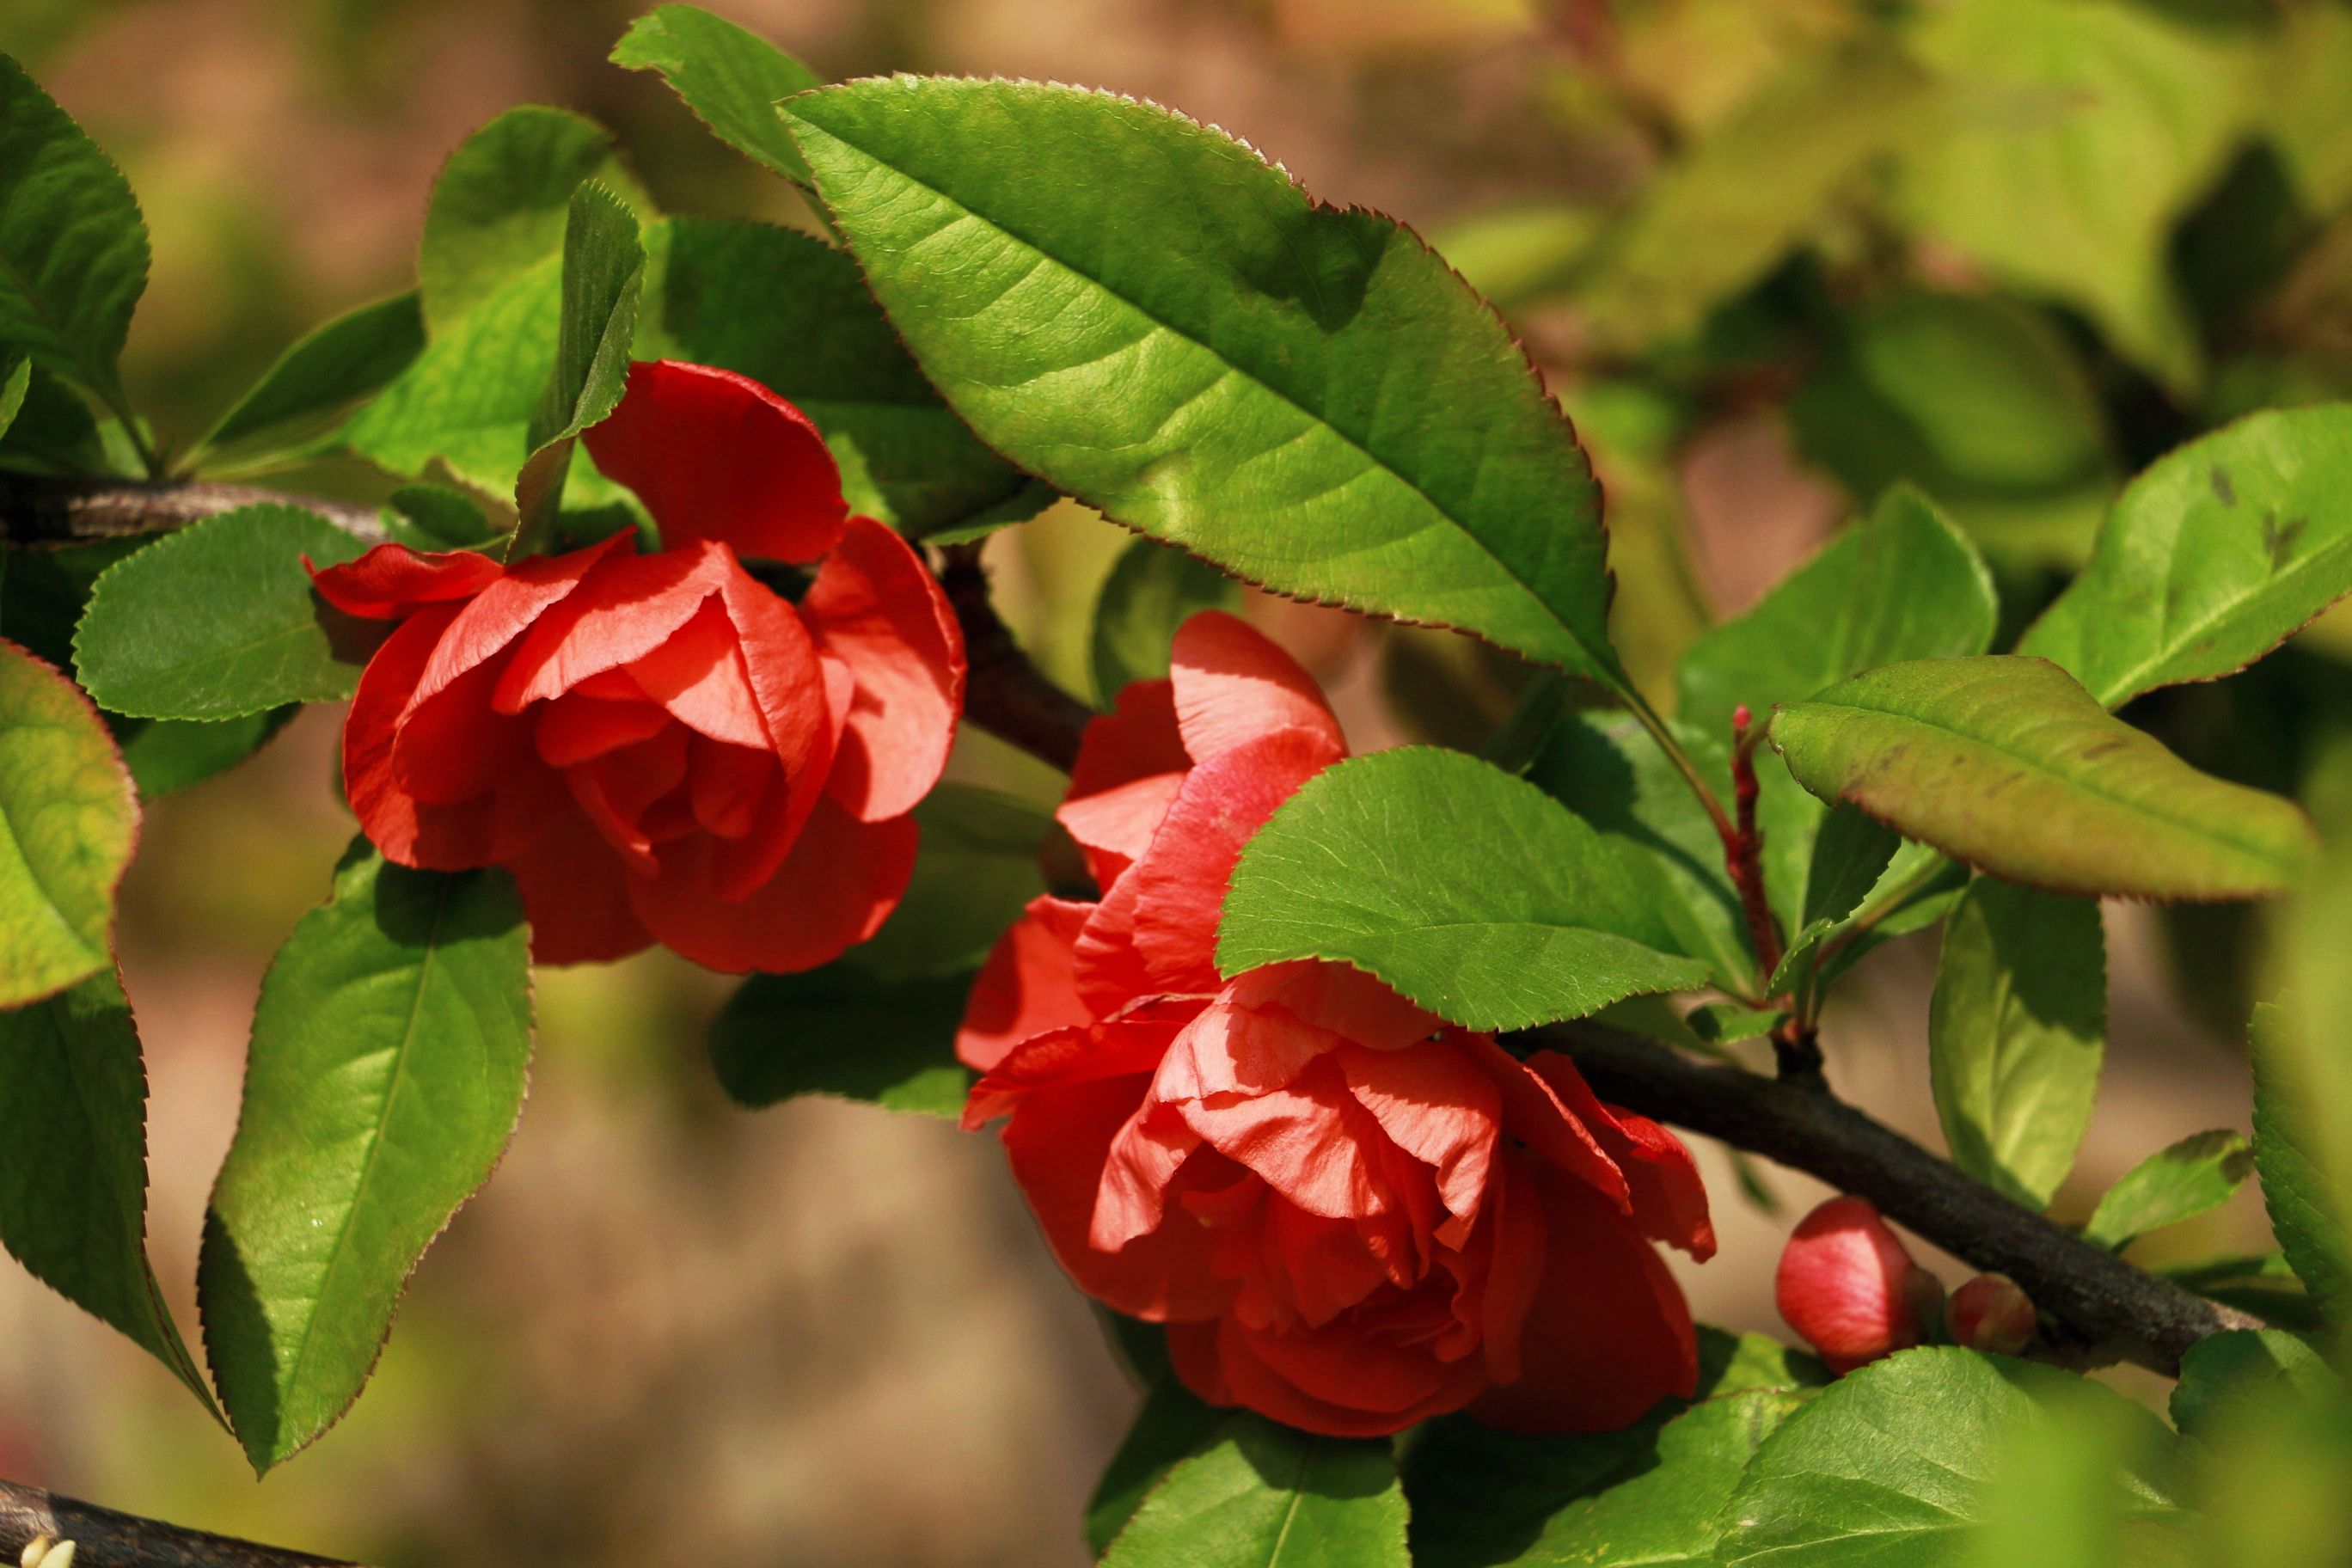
1006 695
2102 1303
104 1539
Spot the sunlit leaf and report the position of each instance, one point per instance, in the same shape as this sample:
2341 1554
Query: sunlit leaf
731 78
1262 1496
602 270
2177 1182
68 820
323 375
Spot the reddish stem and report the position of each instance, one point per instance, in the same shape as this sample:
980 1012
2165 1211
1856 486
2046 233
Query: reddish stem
1743 850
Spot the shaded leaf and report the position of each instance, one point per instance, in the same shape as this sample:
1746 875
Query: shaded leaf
1150 592
977 868
2009 764
73 1169
1147 316
843 1031
1862 1475
73 250
169 754
792 312
2177 1182
731 78
2303 1196
2211 558
2240 1365
220 620
434 517
68 821
390 1054
355 355
2016 1033
1172 1425
1262 1496
13 387
1471 891
603 269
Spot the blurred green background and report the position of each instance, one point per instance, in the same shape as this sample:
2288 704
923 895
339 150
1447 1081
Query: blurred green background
1771 253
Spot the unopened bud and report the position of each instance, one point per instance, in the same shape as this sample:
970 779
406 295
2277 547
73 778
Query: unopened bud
1846 1284
1990 1314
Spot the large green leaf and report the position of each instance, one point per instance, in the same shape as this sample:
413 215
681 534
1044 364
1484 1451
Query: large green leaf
1469 890
1144 313
2073 135
1150 592
2007 764
1905 584
1652 1493
2016 1033
2228 1369
1894 1464
1264 1496
2211 558
502 203
73 251
73 1169
791 311
389 1058
731 78
978 867
603 270
68 820
323 375
1172 1425
2302 1189
846 1032
220 620
2179 1181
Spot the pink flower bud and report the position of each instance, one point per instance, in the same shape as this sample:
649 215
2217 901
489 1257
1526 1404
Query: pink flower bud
1848 1287
1990 1314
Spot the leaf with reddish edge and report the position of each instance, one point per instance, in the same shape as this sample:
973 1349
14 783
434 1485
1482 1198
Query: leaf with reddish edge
68 819
2007 764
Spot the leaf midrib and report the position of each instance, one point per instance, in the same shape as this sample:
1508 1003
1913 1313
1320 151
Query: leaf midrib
2268 857
336 1254
1601 659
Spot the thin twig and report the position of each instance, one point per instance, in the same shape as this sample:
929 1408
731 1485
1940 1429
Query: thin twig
105 1539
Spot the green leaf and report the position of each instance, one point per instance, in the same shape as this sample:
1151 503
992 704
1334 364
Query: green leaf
603 268
55 432
1150 592
68 821
792 312
2304 1198
2063 1494
1894 1464
435 517
73 251
73 1169
843 1031
2179 1181
2073 137
390 1054
977 868
2264 1284
1264 1496
1171 1425
2230 1368
13 387
2016 1033
355 355
502 205
2011 765
731 78
169 754
1148 316
2211 558
1652 1493
1471 891
1905 584
220 620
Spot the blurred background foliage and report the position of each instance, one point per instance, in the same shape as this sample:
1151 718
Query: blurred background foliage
1772 254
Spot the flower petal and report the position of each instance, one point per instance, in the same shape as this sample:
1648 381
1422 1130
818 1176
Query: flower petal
1309 1141
1076 1053
878 609
1533 1114
1131 760
392 580
697 675
1024 988
835 890
1439 1107
623 609
576 896
507 609
1668 1197
1610 1333
1333 1382
716 457
1233 685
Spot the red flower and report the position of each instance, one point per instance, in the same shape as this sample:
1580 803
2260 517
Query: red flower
660 747
1350 1215
1847 1284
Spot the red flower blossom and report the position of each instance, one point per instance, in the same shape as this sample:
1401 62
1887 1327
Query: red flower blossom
1847 1284
660 747
1350 1215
